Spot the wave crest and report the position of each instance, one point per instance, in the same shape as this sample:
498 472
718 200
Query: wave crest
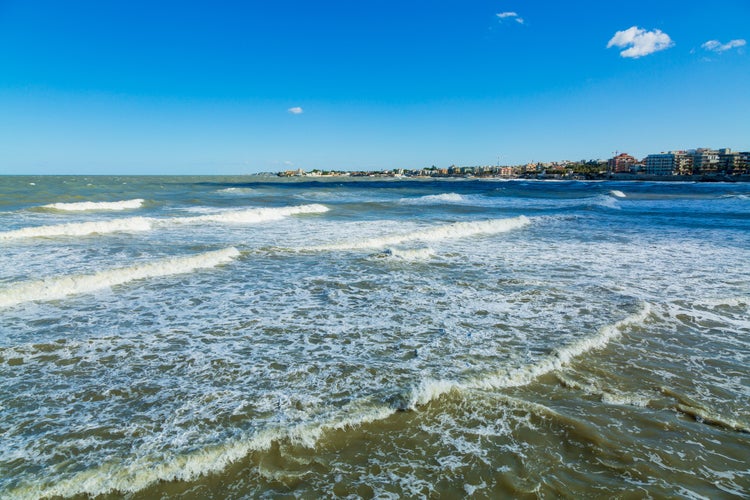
61 287
448 231
132 224
429 390
254 215
432 199
95 205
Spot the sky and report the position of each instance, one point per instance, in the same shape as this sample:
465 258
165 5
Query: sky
179 87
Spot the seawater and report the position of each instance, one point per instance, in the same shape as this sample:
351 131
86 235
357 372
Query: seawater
238 337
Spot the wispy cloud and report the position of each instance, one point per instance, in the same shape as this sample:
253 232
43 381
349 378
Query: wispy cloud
717 46
510 15
296 110
640 42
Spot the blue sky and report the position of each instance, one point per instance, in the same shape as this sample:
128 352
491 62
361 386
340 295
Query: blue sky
240 87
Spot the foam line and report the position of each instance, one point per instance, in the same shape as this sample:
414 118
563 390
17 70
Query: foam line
58 288
407 254
432 199
142 472
448 231
252 215
431 389
95 205
80 228
247 216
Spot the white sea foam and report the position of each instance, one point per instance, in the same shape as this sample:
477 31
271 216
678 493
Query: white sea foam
433 199
58 288
608 396
448 231
246 216
144 471
236 190
253 215
617 193
407 254
429 389
95 205
709 417
80 228
730 302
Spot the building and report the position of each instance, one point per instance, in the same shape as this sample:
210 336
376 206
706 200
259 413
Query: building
672 163
704 160
622 163
729 161
742 167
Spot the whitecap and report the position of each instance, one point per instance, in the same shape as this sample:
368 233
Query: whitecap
430 389
236 190
143 471
252 215
96 205
61 287
433 199
448 231
407 254
80 228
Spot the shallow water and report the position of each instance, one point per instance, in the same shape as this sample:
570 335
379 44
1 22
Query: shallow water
253 337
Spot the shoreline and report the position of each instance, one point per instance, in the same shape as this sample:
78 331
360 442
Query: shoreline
705 178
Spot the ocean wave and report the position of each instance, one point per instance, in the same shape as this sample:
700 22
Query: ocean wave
431 389
61 287
432 199
728 301
251 215
95 205
607 396
448 231
702 414
407 254
144 471
132 224
246 216
236 190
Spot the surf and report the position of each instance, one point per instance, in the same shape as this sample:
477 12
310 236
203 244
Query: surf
83 206
64 286
250 215
455 230
128 225
430 389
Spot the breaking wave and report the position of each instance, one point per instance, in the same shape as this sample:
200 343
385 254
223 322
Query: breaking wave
410 254
80 228
448 231
61 287
431 389
247 216
236 190
252 215
145 471
433 199
95 205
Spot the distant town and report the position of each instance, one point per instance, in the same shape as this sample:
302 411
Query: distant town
702 164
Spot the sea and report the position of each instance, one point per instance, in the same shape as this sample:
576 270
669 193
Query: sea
259 337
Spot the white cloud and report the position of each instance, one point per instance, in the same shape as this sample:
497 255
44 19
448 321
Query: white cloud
510 15
640 42
717 46
296 110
